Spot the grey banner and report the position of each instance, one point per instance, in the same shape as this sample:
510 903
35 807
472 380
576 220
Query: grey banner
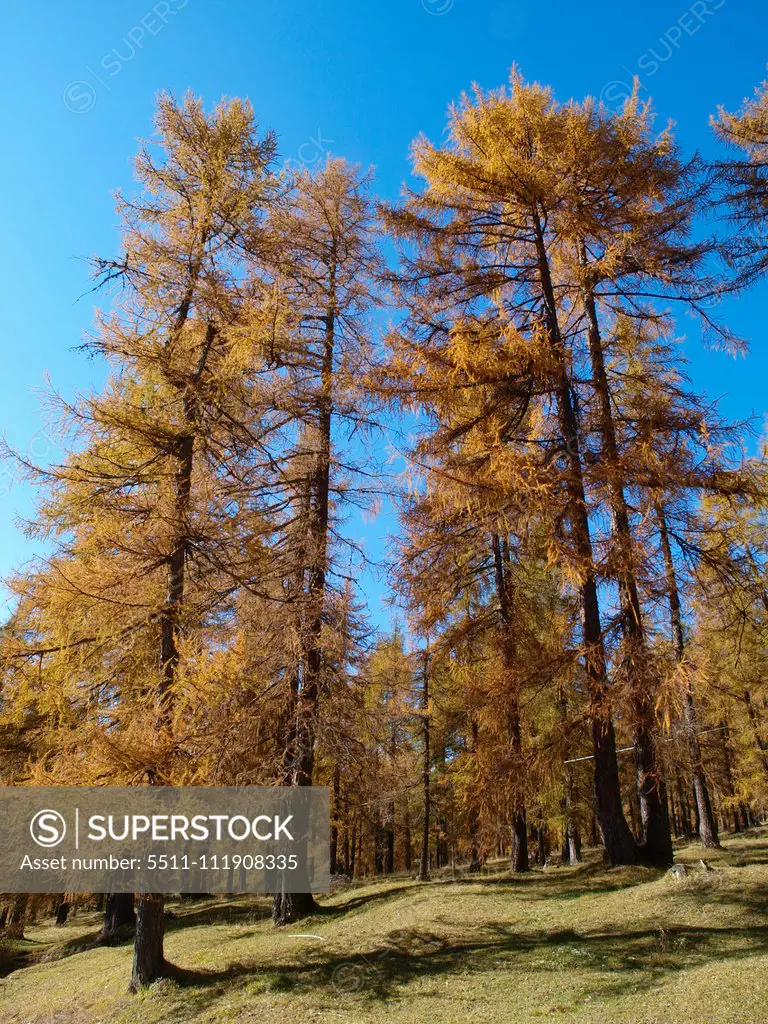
164 839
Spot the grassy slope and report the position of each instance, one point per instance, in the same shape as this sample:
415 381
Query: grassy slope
582 945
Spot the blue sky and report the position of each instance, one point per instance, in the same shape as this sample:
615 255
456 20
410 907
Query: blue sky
350 77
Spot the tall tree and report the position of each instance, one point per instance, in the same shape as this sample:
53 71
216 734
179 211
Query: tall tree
148 554
485 269
325 266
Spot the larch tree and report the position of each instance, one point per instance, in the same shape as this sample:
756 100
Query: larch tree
743 182
581 548
324 271
677 451
485 266
148 554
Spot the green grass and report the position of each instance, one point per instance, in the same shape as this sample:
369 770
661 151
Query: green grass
587 945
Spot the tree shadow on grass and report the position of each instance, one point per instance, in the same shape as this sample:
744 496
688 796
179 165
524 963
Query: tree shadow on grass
625 962
568 883
753 898
734 853
245 912
590 878
46 953
364 900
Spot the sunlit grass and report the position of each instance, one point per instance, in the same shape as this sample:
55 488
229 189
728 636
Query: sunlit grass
582 945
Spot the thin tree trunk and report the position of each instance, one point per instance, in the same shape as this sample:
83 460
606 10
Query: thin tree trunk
674 812
290 907
707 826
353 850
345 852
617 838
697 821
572 834
426 766
594 839
391 815
473 824
389 863
378 843
656 844
542 844
571 848
407 851
685 811
754 721
635 815
725 734
519 858
148 955
335 819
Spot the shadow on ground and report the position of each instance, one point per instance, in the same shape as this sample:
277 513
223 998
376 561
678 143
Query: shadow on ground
631 961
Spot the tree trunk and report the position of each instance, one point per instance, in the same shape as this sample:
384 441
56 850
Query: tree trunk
730 789
617 838
148 961
572 842
17 916
519 857
656 843
62 911
754 721
674 813
378 844
682 800
594 838
407 851
391 814
473 825
707 826
345 852
635 818
118 916
426 766
441 840
148 954
389 860
289 907
542 844
335 819
655 848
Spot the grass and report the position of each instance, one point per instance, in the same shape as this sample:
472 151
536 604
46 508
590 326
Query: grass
585 945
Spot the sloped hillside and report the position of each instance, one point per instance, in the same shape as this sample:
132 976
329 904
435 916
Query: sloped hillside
581 946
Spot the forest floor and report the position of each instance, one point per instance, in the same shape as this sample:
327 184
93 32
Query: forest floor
585 945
